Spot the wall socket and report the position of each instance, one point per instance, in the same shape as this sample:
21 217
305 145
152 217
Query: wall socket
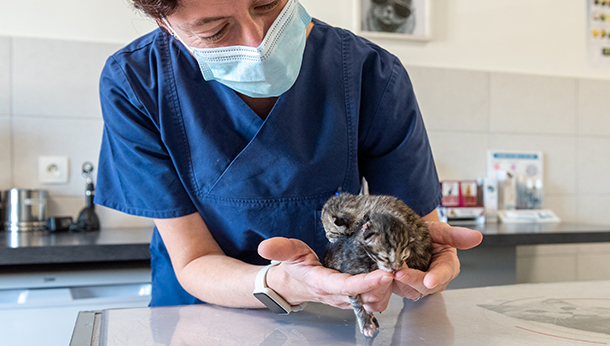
53 169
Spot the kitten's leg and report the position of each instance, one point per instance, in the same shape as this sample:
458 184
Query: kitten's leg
367 322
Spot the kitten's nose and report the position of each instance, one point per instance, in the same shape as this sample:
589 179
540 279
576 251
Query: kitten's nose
396 267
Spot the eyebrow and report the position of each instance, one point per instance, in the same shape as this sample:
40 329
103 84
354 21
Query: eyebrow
202 21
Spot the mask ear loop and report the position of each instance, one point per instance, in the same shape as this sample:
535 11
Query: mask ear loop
176 35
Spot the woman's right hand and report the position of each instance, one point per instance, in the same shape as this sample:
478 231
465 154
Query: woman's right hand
301 278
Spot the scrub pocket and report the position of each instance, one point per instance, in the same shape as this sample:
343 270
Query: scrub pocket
320 240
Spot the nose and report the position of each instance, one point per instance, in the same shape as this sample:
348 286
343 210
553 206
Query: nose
253 31
388 10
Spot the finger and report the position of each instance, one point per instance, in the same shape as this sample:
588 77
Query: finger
407 291
341 302
458 237
411 280
415 279
445 268
377 300
285 250
438 277
351 285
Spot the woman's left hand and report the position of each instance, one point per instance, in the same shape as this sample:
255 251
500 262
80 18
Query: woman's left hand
414 284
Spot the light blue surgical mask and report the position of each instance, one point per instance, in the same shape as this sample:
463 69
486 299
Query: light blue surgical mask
268 70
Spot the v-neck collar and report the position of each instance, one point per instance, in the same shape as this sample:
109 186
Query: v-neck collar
247 123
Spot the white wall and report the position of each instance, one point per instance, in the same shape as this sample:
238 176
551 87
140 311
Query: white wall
539 37
92 20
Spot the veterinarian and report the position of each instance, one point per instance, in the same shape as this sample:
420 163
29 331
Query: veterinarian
233 123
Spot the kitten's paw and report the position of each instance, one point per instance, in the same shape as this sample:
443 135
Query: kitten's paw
370 327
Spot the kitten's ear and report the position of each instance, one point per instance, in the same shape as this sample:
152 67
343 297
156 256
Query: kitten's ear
368 235
341 223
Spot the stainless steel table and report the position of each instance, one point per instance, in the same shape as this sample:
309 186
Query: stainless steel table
556 314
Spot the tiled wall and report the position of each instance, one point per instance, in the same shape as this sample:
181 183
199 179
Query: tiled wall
469 112
49 106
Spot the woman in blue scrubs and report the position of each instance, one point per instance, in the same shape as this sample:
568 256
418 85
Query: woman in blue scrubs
233 123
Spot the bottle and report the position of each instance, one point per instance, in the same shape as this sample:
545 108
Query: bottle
522 194
510 192
538 194
530 195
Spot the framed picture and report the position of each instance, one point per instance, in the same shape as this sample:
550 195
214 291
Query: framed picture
398 19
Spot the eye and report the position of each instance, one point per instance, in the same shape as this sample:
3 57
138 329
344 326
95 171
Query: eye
368 234
269 6
218 35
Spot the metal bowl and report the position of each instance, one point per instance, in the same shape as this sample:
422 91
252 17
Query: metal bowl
24 209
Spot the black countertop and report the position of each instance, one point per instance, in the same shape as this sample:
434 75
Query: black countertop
500 234
131 244
106 245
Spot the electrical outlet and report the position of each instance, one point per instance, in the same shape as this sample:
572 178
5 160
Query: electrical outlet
53 169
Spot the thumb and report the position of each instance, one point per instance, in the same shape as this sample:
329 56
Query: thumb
286 250
457 237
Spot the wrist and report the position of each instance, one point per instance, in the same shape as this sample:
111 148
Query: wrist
282 283
269 297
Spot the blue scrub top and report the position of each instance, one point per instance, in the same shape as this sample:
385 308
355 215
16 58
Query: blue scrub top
175 144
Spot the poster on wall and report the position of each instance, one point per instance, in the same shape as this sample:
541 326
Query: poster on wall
397 19
528 165
599 32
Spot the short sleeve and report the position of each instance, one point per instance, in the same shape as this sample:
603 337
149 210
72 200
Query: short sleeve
395 155
136 174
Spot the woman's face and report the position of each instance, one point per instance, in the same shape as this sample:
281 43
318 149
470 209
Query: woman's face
219 23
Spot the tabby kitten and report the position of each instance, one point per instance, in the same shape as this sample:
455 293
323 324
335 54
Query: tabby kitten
373 232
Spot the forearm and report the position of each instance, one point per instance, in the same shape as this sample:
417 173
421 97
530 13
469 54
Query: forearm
202 268
221 280
204 271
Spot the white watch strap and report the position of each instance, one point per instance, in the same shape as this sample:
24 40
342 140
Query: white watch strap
261 278
260 284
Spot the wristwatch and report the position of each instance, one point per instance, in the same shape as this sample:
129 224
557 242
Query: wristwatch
269 297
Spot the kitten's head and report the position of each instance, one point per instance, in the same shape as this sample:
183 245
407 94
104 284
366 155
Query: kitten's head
384 242
339 216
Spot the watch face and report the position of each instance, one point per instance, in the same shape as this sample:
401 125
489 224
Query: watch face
270 303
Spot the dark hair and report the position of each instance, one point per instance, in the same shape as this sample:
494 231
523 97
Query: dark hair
156 8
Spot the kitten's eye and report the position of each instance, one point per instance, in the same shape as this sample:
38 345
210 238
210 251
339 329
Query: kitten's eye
368 234
340 222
